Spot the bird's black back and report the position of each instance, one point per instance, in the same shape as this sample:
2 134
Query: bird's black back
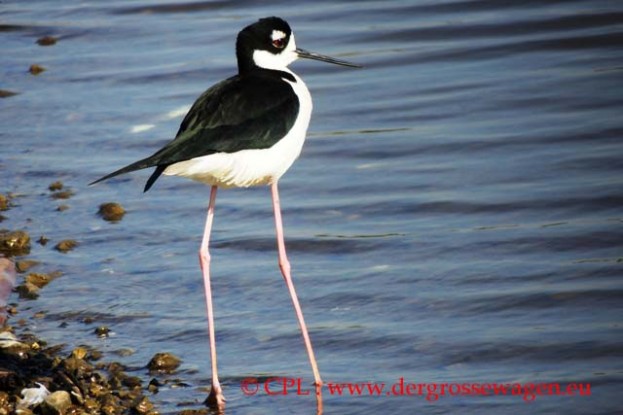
250 111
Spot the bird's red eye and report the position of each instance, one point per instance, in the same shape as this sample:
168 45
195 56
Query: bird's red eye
279 43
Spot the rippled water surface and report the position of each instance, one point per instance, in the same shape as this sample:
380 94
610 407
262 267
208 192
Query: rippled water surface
456 214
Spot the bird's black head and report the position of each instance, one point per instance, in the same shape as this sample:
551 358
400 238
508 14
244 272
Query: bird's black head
269 43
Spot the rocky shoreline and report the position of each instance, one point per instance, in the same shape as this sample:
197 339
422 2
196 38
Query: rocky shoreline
39 378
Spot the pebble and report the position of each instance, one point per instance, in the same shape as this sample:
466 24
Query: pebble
66 245
28 290
47 41
56 186
4 202
14 243
111 211
56 403
39 280
25 264
102 331
62 194
5 404
164 362
36 69
4 93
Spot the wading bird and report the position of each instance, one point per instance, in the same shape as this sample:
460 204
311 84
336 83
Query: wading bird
244 131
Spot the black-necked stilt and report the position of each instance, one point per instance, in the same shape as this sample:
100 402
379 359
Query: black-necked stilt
244 131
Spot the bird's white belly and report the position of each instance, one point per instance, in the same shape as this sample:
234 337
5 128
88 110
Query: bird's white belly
252 167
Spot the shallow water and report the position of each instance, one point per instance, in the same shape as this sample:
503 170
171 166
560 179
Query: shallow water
456 214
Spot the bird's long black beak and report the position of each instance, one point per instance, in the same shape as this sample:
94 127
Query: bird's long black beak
316 56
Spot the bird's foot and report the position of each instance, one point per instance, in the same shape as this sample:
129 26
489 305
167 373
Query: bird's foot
216 399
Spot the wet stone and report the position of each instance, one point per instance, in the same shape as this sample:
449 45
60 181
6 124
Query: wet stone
114 367
66 245
57 403
56 186
43 240
111 211
28 290
153 386
14 242
125 352
38 280
47 41
25 264
5 404
77 367
143 406
132 382
203 411
79 353
91 405
4 202
36 69
4 93
102 331
164 362
63 194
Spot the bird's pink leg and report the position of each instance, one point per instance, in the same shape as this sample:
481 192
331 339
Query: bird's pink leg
215 398
284 265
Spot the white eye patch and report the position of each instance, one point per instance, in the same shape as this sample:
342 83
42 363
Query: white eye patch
277 34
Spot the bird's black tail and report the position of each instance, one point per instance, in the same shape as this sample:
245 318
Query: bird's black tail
139 165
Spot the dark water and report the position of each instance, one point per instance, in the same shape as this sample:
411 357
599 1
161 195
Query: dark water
456 215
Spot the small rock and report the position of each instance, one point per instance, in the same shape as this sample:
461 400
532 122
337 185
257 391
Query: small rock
91 405
14 242
4 202
47 41
79 353
204 411
6 93
143 406
153 386
25 264
43 240
111 212
102 331
56 186
36 69
77 367
28 290
62 194
66 245
164 362
56 403
5 404
88 319
132 381
125 352
39 280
